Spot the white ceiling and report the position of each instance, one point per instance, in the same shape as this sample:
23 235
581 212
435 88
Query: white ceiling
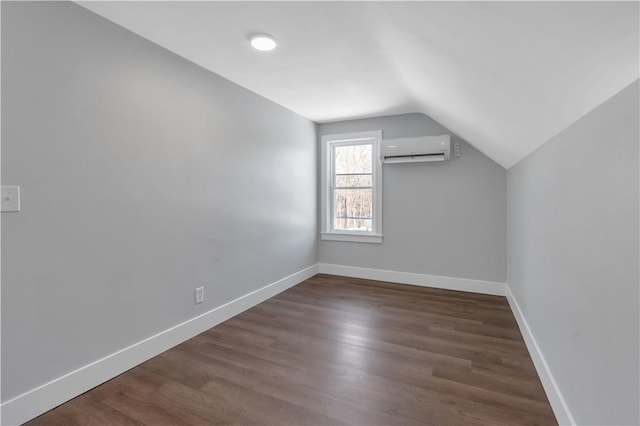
505 76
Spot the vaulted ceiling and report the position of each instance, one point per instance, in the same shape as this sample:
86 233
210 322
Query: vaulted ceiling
505 76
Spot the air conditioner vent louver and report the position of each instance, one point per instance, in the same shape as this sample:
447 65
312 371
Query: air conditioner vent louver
416 150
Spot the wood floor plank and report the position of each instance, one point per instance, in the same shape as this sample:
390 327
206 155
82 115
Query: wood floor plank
296 390
338 373
330 351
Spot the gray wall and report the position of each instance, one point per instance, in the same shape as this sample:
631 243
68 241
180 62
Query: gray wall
573 252
438 218
143 176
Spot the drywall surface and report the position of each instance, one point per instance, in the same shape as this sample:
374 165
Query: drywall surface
573 254
143 176
444 218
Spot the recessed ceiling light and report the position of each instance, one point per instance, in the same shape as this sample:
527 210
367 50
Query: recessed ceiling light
263 42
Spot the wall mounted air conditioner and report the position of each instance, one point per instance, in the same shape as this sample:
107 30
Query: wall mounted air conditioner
415 150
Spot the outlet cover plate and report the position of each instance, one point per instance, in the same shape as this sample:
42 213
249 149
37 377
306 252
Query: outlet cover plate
199 295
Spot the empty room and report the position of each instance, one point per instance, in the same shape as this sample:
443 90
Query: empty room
320 213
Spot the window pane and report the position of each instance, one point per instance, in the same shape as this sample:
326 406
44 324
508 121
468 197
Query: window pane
353 159
354 180
353 210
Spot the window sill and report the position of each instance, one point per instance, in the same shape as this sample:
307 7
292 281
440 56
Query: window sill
353 238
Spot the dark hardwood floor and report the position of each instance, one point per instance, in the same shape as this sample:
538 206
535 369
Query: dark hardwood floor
333 351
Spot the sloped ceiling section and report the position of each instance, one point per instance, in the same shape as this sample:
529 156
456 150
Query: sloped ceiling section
505 76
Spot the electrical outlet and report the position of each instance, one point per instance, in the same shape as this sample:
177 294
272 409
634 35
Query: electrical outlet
456 149
199 292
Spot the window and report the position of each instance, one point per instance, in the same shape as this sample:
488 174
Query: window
352 187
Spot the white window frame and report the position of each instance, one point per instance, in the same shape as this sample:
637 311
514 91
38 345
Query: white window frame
326 187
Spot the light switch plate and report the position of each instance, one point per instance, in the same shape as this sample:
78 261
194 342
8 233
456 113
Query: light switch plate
10 199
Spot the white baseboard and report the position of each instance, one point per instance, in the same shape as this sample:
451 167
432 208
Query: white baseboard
558 404
436 281
43 398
